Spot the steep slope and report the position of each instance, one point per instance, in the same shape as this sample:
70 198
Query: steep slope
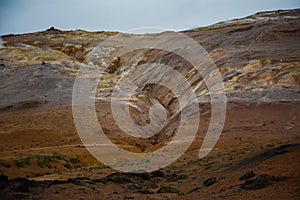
258 58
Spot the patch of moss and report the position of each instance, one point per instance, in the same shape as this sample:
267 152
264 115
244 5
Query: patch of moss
44 161
23 162
74 161
68 166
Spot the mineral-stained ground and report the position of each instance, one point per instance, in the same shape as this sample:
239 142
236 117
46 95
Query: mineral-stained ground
256 157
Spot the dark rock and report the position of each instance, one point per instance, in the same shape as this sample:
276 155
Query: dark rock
196 189
71 180
145 192
85 180
22 185
264 156
157 173
167 189
210 182
277 178
257 183
53 29
126 177
7 165
3 182
284 146
117 177
21 181
55 182
79 180
182 176
144 176
261 182
3 178
23 188
6 195
280 151
247 175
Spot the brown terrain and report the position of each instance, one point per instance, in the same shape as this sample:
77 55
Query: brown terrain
256 157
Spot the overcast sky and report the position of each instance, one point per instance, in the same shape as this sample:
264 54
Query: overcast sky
20 16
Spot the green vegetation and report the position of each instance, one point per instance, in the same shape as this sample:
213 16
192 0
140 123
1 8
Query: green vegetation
44 161
59 157
68 166
23 162
74 160
48 161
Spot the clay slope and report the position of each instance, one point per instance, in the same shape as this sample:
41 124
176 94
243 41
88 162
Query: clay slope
258 58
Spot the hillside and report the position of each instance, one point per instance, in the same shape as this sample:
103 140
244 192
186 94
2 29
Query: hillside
258 59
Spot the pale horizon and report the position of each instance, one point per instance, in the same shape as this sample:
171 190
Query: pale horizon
18 17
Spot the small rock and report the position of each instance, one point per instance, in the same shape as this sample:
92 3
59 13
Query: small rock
280 151
257 183
53 29
167 189
261 182
181 177
210 182
157 173
3 178
144 176
247 175
196 189
118 178
277 178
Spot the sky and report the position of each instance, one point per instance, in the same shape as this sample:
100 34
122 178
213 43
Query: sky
20 16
